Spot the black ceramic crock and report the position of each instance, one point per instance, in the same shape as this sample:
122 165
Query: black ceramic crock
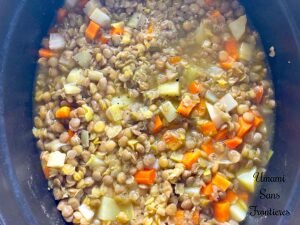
24 197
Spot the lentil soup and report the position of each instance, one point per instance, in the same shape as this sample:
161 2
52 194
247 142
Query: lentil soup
153 112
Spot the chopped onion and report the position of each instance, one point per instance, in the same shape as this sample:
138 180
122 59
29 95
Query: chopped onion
83 58
114 113
229 102
211 97
75 76
90 6
54 145
56 159
169 89
71 89
86 212
113 131
192 190
238 27
168 110
100 18
215 115
122 100
215 72
71 3
137 20
56 41
246 51
95 162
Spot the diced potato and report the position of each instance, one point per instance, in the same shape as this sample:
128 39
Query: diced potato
71 89
169 89
86 212
246 178
169 111
246 51
99 17
238 27
56 159
229 102
238 211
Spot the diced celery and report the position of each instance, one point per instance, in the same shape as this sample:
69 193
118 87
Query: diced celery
95 162
191 73
168 110
169 89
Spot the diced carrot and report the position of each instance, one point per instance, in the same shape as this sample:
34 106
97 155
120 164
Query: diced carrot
234 142
150 29
190 158
70 134
244 127
258 120
221 135
146 177
61 14
196 218
117 31
208 147
200 108
228 63
157 124
221 211
92 30
231 196
196 87
221 182
179 217
208 129
82 3
46 53
259 93
63 112
231 47
46 171
243 196
215 14
174 59
207 190
186 106
103 39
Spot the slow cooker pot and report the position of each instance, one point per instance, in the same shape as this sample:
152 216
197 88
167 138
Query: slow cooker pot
24 196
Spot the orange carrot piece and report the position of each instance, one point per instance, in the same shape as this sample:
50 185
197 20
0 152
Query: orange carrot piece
174 59
150 29
221 211
208 129
215 14
259 93
207 190
231 47
196 218
208 147
221 135
243 196
157 124
244 127
82 3
70 134
46 53
196 87
146 177
63 112
103 39
231 196
186 106
46 171
61 14
228 63
117 31
92 30
257 121
200 108
190 158
209 2
179 217
233 142
221 182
